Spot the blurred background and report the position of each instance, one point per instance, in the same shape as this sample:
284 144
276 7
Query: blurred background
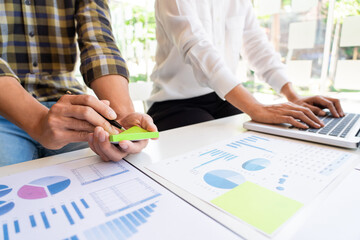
318 40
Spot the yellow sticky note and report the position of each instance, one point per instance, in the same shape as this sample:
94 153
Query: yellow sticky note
258 206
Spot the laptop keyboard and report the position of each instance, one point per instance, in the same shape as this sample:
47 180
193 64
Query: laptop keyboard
337 127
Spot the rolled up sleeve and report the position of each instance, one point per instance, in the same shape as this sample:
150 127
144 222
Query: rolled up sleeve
261 55
99 54
5 70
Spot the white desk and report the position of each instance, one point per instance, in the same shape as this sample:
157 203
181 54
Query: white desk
335 213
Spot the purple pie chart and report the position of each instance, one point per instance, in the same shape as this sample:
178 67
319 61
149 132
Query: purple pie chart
44 187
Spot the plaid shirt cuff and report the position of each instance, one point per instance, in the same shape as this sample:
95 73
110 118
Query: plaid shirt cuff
5 70
98 66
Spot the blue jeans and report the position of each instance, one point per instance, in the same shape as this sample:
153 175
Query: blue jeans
17 146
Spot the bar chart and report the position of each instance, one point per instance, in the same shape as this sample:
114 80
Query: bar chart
71 213
124 195
250 141
122 227
50 203
215 155
98 171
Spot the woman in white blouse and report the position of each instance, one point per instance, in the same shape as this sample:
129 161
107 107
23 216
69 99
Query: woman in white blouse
199 45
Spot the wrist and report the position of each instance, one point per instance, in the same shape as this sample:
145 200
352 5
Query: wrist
241 98
290 92
255 109
20 108
115 89
36 128
123 113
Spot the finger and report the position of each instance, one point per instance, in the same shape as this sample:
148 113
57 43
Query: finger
133 147
91 142
109 150
328 104
99 137
292 121
113 152
337 104
90 115
137 119
78 125
318 111
148 124
304 118
107 102
94 103
74 136
309 114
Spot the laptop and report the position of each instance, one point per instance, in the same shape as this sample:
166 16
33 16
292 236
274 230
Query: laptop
341 132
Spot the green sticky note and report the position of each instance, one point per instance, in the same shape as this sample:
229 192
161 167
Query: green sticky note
258 206
132 134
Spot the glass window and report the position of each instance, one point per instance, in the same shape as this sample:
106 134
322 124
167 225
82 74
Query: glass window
134 27
318 40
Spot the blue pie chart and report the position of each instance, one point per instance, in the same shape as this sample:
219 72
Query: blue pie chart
6 207
256 164
4 190
225 179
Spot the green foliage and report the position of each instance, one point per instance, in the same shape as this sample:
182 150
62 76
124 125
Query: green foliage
286 2
345 8
349 52
147 19
140 77
134 29
260 87
333 89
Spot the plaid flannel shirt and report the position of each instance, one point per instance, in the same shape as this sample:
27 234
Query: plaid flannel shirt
38 44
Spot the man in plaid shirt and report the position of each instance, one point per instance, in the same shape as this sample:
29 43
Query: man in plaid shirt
38 52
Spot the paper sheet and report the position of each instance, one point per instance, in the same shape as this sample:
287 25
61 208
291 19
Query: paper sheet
303 5
302 35
350 33
261 179
337 217
88 199
299 71
347 74
268 7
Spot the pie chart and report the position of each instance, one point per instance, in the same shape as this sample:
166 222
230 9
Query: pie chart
256 164
225 179
6 207
4 190
44 187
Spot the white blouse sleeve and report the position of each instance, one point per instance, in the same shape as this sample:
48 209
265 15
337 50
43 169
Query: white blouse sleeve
179 19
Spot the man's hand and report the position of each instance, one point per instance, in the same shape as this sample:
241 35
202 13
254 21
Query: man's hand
71 119
99 140
286 113
317 103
